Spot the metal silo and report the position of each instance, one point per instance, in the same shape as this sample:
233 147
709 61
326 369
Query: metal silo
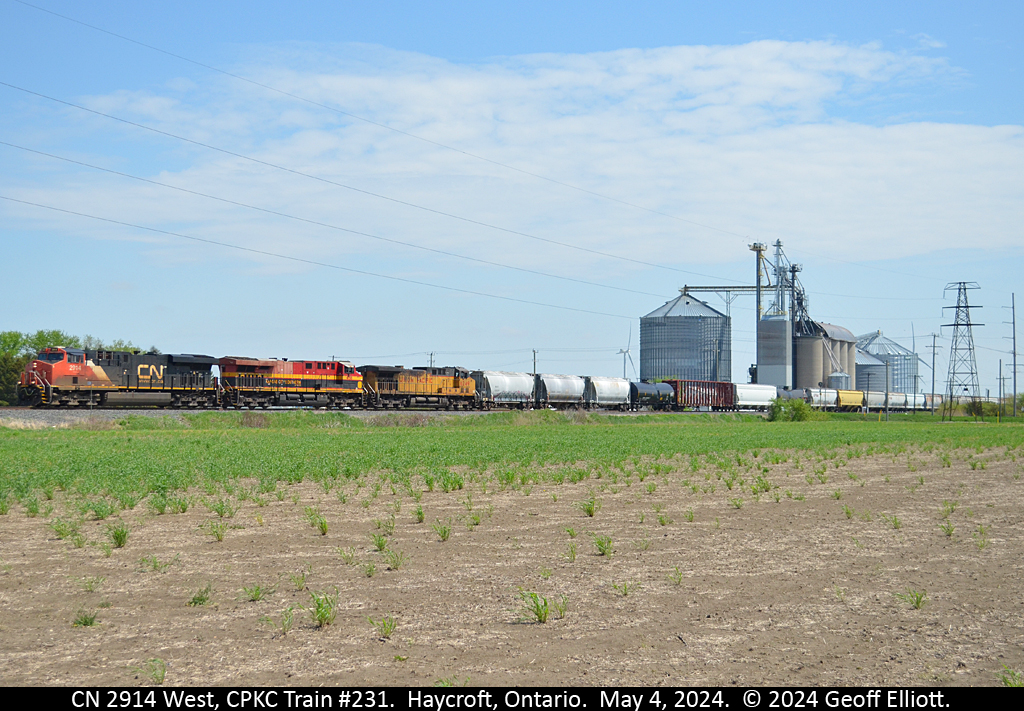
686 339
902 361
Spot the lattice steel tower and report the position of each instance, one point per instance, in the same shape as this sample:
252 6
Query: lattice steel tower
963 368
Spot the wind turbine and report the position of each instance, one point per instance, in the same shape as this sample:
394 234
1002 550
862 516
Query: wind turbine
625 354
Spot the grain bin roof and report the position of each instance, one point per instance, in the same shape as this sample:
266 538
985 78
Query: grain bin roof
877 344
865 358
685 305
837 333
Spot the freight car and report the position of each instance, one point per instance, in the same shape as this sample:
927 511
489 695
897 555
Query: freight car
654 396
558 391
708 395
755 397
496 388
608 393
70 377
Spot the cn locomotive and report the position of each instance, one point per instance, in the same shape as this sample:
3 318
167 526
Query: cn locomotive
70 377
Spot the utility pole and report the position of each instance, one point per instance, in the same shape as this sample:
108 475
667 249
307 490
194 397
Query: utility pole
1013 322
431 359
886 391
1001 387
534 361
934 336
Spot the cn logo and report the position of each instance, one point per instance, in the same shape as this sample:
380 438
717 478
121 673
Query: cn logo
151 372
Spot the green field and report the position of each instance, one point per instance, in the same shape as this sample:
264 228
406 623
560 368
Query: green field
136 456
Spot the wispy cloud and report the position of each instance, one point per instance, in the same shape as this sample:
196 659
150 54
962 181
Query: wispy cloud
745 138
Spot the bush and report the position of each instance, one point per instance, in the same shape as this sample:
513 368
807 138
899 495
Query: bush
783 410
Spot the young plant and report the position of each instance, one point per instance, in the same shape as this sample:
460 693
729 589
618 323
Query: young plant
84 619
257 592
395 559
287 620
418 513
347 554
570 554
676 576
442 529
848 510
385 626
688 516
64 529
534 606
604 545
571 531
981 537
1009 677
561 606
369 569
217 529
299 579
914 598
201 596
89 584
590 506
380 541
324 607
626 588
222 507
155 669
947 528
118 534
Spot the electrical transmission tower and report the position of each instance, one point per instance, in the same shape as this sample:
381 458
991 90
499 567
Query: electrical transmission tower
963 368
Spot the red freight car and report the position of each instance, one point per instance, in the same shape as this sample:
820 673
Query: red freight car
703 395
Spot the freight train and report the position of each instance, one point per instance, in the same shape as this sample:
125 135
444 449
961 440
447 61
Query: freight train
69 377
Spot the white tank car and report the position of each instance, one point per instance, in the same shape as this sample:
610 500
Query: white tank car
496 387
559 390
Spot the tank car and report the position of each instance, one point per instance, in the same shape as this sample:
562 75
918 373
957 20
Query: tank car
653 396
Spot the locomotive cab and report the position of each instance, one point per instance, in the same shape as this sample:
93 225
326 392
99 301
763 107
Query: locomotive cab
58 366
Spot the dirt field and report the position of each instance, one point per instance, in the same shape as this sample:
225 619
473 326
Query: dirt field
793 592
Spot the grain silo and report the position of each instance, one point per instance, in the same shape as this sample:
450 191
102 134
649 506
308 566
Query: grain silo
686 339
824 356
902 361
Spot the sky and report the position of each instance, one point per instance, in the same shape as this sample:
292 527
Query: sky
379 182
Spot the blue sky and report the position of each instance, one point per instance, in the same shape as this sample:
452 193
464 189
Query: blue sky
883 145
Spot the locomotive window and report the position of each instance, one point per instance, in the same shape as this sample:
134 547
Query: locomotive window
51 357
309 366
72 358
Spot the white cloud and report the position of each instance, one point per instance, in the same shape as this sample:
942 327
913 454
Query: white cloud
737 137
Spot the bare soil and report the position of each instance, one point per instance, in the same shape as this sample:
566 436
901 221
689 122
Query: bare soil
782 593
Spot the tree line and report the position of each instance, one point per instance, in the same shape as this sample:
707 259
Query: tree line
18 349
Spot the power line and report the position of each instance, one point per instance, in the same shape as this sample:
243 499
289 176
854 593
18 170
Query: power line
311 261
409 134
325 224
327 181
